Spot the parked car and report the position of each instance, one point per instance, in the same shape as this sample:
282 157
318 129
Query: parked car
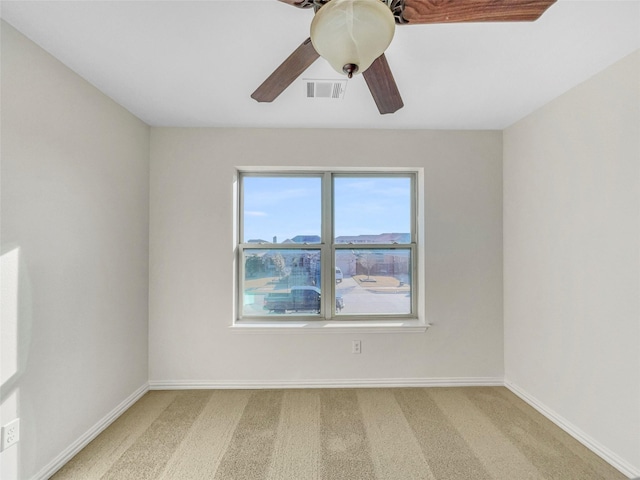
338 275
299 299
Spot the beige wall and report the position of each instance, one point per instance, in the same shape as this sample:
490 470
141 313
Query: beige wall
571 259
75 208
192 252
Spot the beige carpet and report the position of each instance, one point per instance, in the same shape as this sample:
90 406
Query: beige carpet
391 434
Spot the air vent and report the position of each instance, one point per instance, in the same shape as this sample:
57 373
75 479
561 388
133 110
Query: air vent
332 89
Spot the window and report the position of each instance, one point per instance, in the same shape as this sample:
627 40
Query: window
327 246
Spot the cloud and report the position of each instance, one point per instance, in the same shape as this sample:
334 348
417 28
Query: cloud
278 195
361 185
253 213
387 187
402 192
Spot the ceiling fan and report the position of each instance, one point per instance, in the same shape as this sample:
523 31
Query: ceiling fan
352 36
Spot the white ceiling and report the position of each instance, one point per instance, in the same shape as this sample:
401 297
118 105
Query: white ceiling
195 63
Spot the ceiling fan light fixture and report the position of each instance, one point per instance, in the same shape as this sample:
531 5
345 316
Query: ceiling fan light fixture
351 34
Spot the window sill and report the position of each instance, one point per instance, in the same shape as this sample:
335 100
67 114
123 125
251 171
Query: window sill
305 327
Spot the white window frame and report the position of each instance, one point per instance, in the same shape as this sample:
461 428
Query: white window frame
327 320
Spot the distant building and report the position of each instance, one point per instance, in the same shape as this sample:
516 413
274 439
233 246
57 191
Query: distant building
355 239
380 238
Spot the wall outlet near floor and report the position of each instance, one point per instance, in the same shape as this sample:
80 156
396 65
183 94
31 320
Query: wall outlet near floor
10 434
356 346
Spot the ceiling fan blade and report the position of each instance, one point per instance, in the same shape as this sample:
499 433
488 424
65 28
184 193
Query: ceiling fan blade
299 3
453 11
286 73
382 86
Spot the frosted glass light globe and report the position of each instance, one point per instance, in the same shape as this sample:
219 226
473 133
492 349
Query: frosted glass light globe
352 32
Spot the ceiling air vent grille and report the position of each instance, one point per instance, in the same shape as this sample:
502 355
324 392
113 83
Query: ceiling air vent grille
333 89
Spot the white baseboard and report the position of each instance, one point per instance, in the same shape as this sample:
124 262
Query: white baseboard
328 383
593 445
58 462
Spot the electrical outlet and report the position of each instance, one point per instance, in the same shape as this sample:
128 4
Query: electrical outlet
10 433
356 346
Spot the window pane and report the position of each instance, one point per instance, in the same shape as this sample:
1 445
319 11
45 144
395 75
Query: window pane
374 281
372 209
281 209
281 281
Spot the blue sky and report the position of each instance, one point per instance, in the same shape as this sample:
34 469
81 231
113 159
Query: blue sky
290 206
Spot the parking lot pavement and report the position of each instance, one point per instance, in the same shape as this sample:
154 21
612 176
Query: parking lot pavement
359 300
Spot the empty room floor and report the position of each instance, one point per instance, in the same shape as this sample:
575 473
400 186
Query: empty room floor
386 433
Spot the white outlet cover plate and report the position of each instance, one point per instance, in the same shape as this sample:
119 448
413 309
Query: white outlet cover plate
10 433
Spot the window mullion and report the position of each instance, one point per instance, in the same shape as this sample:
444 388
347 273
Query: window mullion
327 242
